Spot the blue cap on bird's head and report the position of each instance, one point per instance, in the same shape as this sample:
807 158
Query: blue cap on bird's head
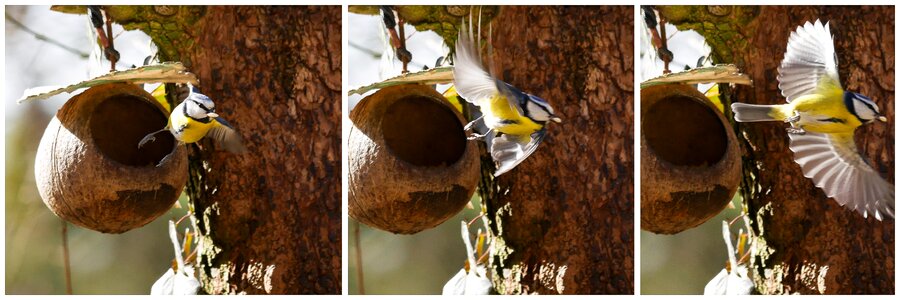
200 106
862 107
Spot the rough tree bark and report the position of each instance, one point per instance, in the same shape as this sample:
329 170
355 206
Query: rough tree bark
806 243
564 219
269 220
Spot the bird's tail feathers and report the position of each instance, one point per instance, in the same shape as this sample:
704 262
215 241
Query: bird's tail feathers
744 112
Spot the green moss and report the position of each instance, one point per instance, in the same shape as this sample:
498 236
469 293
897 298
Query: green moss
726 32
443 20
168 26
363 9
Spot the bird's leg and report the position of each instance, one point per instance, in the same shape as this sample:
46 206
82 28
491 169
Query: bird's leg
168 156
479 137
472 124
793 119
150 137
796 130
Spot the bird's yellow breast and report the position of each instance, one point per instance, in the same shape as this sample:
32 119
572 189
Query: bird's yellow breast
192 132
506 119
814 109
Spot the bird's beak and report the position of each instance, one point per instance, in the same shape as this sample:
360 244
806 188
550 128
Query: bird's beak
882 118
555 119
213 115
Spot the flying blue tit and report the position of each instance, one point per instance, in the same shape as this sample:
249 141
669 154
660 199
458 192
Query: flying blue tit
823 118
516 121
194 119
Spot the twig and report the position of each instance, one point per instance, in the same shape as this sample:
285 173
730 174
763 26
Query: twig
359 263
664 54
373 53
376 54
484 255
182 218
402 53
191 256
112 54
735 219
68 267
469 224
45 38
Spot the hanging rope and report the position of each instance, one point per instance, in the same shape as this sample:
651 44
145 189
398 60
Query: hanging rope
398 40
658 38
104 33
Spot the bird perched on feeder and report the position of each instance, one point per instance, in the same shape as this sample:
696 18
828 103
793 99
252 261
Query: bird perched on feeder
194 119
516 121
823 118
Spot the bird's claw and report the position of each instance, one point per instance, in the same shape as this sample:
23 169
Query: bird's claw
796 130
145 140
476 137
472 124
792 119
164 160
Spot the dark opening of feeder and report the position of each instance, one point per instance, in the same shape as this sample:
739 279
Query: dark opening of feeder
685 132
423 132
117 125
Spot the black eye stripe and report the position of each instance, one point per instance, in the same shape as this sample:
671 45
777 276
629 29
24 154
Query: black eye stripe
201 105
202 120
850 100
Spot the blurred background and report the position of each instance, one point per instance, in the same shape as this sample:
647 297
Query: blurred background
399 264
682 263
127 263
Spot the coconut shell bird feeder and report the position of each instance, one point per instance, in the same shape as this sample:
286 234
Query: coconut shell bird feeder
411 167
690 159
89 170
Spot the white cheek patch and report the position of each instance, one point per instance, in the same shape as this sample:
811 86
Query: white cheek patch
537 112
864 111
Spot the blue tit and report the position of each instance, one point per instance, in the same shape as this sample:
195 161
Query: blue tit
452 96
194 119
516 121
823 118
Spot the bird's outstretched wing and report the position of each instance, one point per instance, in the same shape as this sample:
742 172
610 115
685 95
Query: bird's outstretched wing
227 137
834 165
809 63
510 150
472 82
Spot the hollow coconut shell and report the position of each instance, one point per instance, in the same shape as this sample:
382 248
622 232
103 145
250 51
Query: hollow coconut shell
411 167
89 170
690 159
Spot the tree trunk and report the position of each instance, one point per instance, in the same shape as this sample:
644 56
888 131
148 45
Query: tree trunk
563 220
270 219
805 242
